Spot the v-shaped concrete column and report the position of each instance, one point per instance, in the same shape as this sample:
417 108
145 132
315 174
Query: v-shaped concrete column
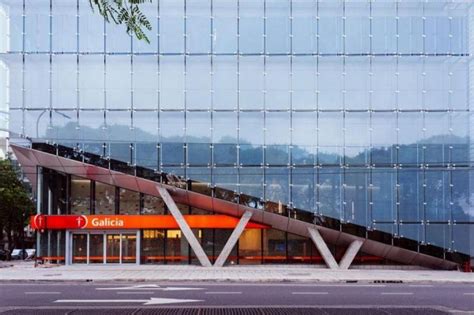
184 227
329 259
350 254
323 248
234 237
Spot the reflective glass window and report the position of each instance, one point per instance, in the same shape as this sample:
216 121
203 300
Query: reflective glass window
198 26
104 198
357 28
251 26
64 81
64 26
224 82
37 26
91 29
277 83
172 82
251 82
224 34
304 27
303 82
171 26
145 82
198 82
330 82
129 201
118 82
37 81
80 195
91 81
277 26
330 28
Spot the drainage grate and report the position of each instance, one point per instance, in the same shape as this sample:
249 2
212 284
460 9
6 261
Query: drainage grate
233 311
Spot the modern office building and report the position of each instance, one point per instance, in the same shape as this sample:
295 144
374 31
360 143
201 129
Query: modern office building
341 127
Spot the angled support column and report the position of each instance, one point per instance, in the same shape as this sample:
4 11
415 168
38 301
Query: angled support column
184 227
350 254
323 248
234 237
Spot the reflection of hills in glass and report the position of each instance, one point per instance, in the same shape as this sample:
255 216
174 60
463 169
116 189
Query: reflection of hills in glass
351 206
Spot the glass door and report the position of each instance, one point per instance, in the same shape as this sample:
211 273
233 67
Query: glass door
79 248
129 248
112 253
96 248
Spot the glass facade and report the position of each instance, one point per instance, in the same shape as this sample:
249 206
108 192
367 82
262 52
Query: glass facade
356 110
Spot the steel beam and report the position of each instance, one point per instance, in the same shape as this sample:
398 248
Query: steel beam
234 237
184 227
323 248
350 254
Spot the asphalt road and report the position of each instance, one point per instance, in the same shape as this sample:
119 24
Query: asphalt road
234 298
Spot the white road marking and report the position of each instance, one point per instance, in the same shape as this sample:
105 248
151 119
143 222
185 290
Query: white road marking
308 293
41 292
222 292
148 287
136 292
397 293
150 301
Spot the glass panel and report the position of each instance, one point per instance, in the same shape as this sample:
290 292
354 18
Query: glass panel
410 27
356 196
198 82
251 82
37 26
383 138
129 202
171 26
198 26
37 81
304 27
277 83
129 248
274 246
357 28
91 83
225 26
152 247
79 248
104 198
118 82
64 81
250 247
383 195
64 26
172 83
150 10
330 82
330 27
303 188
251 128
277 26
304 82
384 27
251 25
153 205
224 82
277 128
96 248
177 250
410 83
383 83
410 195
80 195
112 248
277 184
356 82
251 181
329 192
145 82
91 28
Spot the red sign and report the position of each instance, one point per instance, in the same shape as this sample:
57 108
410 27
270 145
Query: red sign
117 222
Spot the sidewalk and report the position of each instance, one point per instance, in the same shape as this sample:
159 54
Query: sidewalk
25 271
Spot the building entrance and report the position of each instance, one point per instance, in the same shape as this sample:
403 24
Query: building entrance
103 247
